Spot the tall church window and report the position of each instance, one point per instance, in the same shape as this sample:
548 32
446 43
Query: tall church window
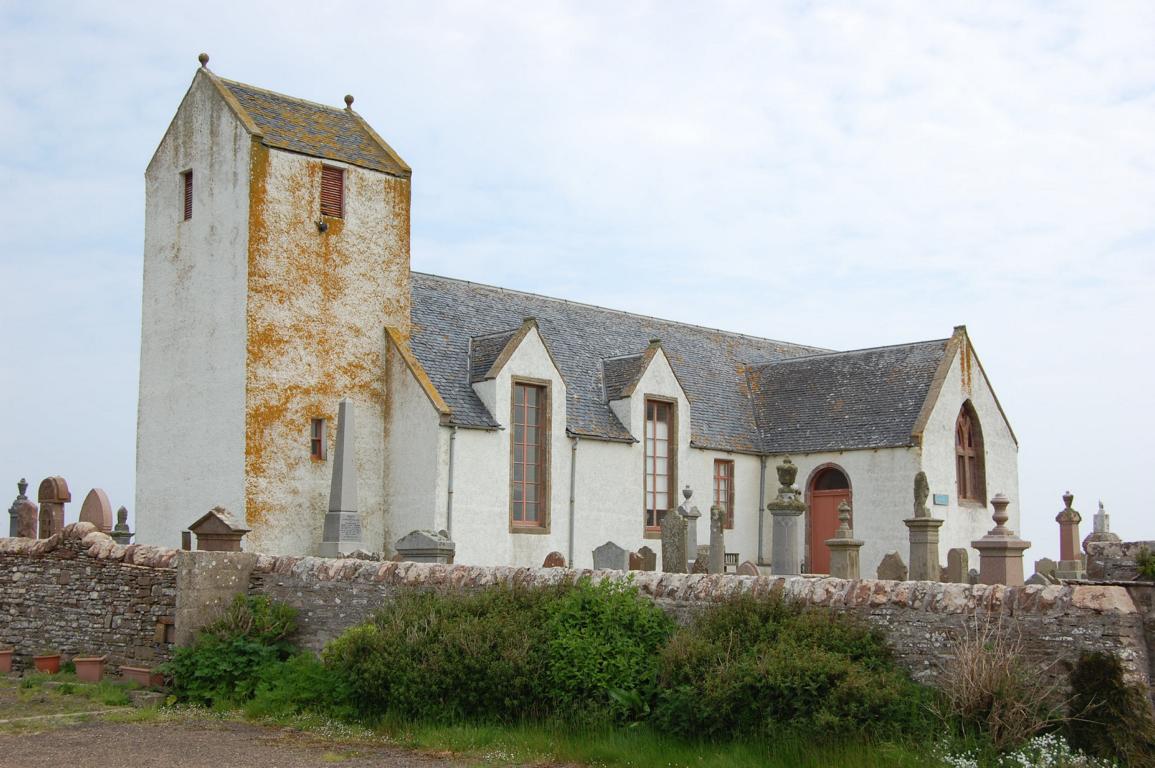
660 482
724 488
332 191
529 473
968 449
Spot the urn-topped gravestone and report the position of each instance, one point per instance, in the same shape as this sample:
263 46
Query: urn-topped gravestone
785 509
923 535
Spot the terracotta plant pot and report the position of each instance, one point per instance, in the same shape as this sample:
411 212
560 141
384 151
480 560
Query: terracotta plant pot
89 669
48 662
142 676
5 660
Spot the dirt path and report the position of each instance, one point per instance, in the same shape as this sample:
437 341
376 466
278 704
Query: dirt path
195 744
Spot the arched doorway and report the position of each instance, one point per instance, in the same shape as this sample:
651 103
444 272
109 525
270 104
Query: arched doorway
829 487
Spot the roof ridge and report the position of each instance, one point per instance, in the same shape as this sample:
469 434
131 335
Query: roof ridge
618 311
492 334
622 357
849 352
286 96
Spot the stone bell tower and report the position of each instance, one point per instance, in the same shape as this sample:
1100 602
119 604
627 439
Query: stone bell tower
276 253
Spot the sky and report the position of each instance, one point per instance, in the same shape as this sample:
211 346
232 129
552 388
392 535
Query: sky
843 175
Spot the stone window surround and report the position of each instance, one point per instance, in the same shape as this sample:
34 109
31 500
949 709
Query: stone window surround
671 460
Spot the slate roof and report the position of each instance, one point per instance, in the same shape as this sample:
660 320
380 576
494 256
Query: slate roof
867 398
313 129
620 372
710 364
484 351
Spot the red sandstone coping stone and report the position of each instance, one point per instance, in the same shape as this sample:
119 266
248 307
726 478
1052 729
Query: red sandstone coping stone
1103 599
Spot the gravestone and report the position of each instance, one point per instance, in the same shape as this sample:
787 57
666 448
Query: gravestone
342 531
748 568
844 547
691 514
97 510
425 547
1045 566
1001 551
892 568
717 540
972 576
1038 579
554 560
120 532
957 565
673 543
610 556
53 494
785 509
218 531
701 565
1101 528
23 514
923 535
1070 564
649 559
635 561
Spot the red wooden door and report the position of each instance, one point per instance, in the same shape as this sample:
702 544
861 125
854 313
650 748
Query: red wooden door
823 524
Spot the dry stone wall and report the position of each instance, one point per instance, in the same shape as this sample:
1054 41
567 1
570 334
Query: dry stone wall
83 593
78 592
1115 560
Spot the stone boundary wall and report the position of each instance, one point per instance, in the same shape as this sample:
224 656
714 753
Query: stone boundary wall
1115 560
81 593
921 619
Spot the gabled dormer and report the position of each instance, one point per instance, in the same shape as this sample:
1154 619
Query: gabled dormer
630 379
498 358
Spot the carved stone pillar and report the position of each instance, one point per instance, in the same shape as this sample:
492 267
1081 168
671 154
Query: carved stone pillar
786 510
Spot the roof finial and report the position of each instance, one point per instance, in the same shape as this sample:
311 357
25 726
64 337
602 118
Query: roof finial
348 101
204 60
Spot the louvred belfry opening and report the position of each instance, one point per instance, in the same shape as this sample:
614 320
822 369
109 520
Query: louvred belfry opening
188 189
332 191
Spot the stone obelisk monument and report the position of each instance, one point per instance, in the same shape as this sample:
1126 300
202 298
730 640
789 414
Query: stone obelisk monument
342 522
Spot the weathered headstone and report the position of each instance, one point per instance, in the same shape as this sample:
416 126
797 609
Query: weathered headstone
218 531
844 547
1070 560
957 565
972 576
691 514
610 556
892 568
635 561
23 514
97 510
785 509
1045 566
342 531
701 565
717 539
673 543
923 535
53 494
1001 551
649 559
1039 579
748 568
426 547
120 532
554 560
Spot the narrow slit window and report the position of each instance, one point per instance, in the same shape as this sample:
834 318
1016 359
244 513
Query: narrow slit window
317 439
187 181
332 192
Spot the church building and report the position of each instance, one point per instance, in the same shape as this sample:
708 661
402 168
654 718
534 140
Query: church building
277 283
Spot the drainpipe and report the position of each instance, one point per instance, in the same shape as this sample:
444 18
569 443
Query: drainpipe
761 505
572 494
449 483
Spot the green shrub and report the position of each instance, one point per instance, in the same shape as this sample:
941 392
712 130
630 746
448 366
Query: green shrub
447 657
225 663
755 667
1145 563
602 652
1109 718
299 684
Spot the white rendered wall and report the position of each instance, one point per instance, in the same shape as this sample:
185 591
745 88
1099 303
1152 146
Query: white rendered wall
698 472
413 439
481 512
191 414
318 304
968 521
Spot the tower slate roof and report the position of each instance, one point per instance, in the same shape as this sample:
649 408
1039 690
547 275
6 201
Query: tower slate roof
313 129
746 393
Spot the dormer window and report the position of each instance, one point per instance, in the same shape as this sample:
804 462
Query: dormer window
186 182
332 191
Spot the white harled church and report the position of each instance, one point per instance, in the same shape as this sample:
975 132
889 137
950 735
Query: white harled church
277 284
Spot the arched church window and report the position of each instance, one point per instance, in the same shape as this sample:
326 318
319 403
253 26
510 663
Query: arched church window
831 479
968 449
